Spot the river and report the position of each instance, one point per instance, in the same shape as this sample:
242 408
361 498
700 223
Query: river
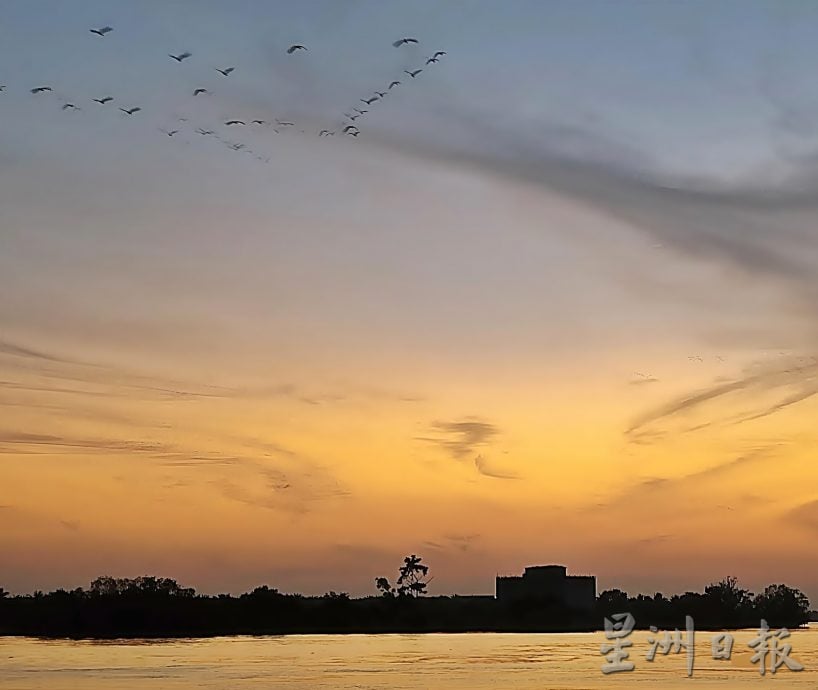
369 662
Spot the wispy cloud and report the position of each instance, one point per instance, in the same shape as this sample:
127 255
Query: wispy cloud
764 227
486 468
16 350
453 542
461 438
63 375
665 489
295 492
806 515
790 381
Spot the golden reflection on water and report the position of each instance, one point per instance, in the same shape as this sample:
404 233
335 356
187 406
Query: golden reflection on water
369 662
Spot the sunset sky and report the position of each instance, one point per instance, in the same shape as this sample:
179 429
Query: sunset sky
557 303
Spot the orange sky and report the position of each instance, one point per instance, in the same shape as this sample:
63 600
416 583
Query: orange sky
311 448
531 315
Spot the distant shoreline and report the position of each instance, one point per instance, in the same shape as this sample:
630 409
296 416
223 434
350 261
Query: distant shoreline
158 608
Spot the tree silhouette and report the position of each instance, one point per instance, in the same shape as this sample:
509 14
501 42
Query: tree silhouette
412 579
411 582
727 602
782 604
383 586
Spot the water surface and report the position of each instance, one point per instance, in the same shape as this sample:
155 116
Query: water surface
364 662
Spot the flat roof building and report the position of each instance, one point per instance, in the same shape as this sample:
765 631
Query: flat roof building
548 583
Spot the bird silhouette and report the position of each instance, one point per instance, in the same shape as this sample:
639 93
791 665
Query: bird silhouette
439 53
347 129
69 106
103 101
430 60
182 56
381 94
199 92
204 132
413 74
368 101
226 71
295 47
354 134
354 117
230 123
170 133
404 41
284 124
394 84
41 89
259 122
130 111
101 32
360 112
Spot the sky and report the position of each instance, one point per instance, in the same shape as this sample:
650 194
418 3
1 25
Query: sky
555 304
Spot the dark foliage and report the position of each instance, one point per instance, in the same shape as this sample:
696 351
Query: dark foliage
160 607
721 605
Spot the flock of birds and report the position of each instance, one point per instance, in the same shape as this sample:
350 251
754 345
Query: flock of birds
347 123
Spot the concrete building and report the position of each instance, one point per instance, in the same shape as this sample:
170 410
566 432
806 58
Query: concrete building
548 583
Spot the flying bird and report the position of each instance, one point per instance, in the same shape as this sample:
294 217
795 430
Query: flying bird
284 124
394 84
360 112
41 89
226 71
204 132
353 117
130 111
103 101
347 129
354 134
368 101
295 47
230 123
381 94
430 60
259 122
179 58
404 41
199 92
69 106
169 133
101 32
439 53
413 74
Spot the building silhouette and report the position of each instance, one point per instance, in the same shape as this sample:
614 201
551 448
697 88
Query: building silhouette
548 583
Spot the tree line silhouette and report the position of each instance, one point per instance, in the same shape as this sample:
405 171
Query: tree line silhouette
159 607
